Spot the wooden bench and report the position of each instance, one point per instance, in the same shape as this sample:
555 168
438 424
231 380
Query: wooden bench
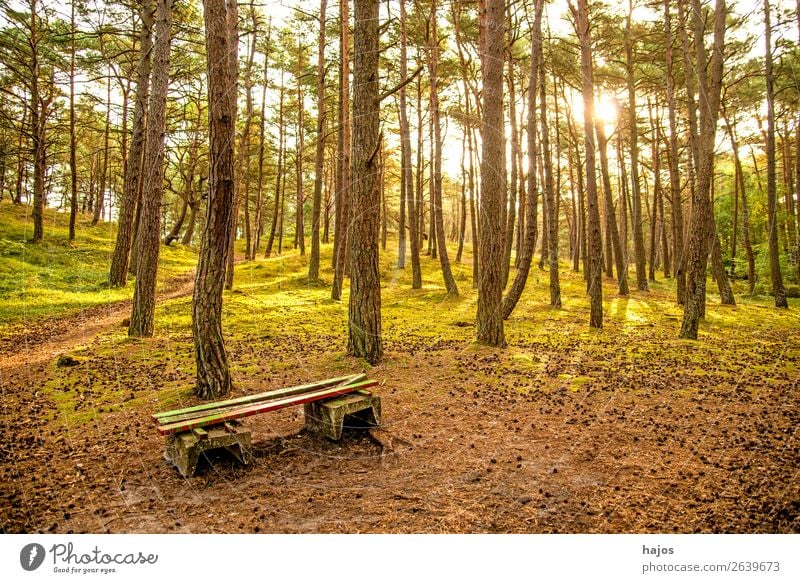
195 430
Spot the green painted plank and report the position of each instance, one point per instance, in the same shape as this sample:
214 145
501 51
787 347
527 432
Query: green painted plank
263 407
191 412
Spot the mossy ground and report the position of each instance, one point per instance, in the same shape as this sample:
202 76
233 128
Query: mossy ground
55 278
624 429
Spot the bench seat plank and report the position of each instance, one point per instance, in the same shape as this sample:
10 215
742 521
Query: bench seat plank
231 413
169 417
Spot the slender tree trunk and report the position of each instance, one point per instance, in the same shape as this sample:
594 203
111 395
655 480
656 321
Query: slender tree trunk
436 187
408 181
279 171
364 322
144 297
638 235
38 126
772 204
73 147
700 236
611 223
343 185
676 201
132 185
316 210
595 247
101 193
299 226
514 293
549 193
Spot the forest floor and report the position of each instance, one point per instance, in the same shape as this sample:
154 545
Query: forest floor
568 430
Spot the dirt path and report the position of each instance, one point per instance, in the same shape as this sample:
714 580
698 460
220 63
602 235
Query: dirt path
45 340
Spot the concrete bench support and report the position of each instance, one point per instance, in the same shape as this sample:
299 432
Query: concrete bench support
184 449
330 417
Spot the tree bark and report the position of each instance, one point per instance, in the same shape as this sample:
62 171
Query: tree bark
132 184
364 322
514 293
319 159
490 290
638 234
595 245
436 187
700 235
778 290
343 185
676 202
213 372
149 241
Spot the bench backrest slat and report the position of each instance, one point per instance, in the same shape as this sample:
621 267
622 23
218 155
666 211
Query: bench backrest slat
202 410
231 413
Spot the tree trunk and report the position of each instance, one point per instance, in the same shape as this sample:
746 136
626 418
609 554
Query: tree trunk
676 201
364 320
772 204
514 293
700 235
436 187
405 145
38 127
490 290
132 184
279 171
213 373
73 147
300 223
549 194
144 297
319 160
638 234
611 223
595 245
343 185
101 193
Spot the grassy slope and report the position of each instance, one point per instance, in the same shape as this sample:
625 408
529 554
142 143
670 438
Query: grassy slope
54 278
281 330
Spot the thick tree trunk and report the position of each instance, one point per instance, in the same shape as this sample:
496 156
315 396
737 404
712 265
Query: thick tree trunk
149 241
490 287
132 184
364 322
213 373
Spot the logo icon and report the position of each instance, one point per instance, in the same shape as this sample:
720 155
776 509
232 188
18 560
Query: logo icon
31 556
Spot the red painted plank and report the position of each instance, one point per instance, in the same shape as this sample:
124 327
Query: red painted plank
249 410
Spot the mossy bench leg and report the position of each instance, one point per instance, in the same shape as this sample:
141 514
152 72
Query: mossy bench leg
328 417
184 449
